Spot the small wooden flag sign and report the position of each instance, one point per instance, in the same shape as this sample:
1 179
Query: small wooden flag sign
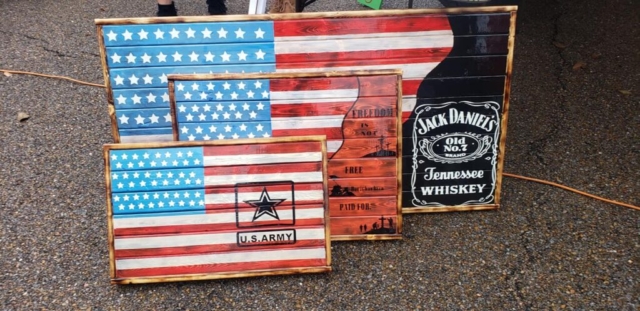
358 112
223 209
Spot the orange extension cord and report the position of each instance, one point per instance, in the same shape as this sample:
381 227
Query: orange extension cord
504 174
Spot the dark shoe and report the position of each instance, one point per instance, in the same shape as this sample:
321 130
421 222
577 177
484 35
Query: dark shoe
216 7
167 10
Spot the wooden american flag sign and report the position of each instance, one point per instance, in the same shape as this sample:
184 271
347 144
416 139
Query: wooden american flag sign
208 210
453 60
139 55
358 112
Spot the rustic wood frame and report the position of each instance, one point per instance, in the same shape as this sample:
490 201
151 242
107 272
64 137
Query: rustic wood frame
399 222
218 275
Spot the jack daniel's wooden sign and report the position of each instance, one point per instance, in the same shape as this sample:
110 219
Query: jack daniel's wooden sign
455 149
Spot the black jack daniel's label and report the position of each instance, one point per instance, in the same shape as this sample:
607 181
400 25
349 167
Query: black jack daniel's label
455 149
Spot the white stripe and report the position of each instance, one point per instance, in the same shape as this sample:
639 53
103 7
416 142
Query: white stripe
368 42
409 71
200 239
233 257
220 180
408 103
146 138
333 145
250 159
307 122
230 198
313 101
313 95
204 219
374 35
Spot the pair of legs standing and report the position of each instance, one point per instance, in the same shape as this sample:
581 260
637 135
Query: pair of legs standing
168 8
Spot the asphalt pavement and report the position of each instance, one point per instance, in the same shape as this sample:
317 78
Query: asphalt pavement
574 119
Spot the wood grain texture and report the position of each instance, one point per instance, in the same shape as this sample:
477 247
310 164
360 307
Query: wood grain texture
218 276
505 107
363 187
362 168
343 207
364 226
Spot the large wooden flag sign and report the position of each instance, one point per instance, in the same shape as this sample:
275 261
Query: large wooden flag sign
358 112
456 74
222 209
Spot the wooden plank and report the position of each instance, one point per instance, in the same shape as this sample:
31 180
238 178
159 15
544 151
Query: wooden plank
471 86
480 24
370 225
505 108
179 211
361 168
221 275
480 45
362 187
367 147
218 242
363 206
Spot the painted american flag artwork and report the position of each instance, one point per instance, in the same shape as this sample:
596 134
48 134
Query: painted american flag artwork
446 55
210 210
358 113
138 57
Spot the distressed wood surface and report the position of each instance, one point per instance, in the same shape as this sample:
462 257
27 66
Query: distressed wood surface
208 210
358 113
446 55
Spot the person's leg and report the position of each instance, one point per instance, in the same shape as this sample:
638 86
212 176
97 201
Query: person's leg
216 7
166 8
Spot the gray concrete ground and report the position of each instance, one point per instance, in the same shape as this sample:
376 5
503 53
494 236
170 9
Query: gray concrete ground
545 249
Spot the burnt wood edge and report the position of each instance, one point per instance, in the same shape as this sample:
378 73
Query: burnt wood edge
399 125
110 237
287 16
252 141
107 82
368 237
455 208
172 110
218 276
505 107
325 205
238 76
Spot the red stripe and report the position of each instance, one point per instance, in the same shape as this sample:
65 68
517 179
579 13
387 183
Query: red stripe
264 169
312 84
179 229
240 267
310 110
331 133
274 148
201 249
406 115
343 26
331 59
410 87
